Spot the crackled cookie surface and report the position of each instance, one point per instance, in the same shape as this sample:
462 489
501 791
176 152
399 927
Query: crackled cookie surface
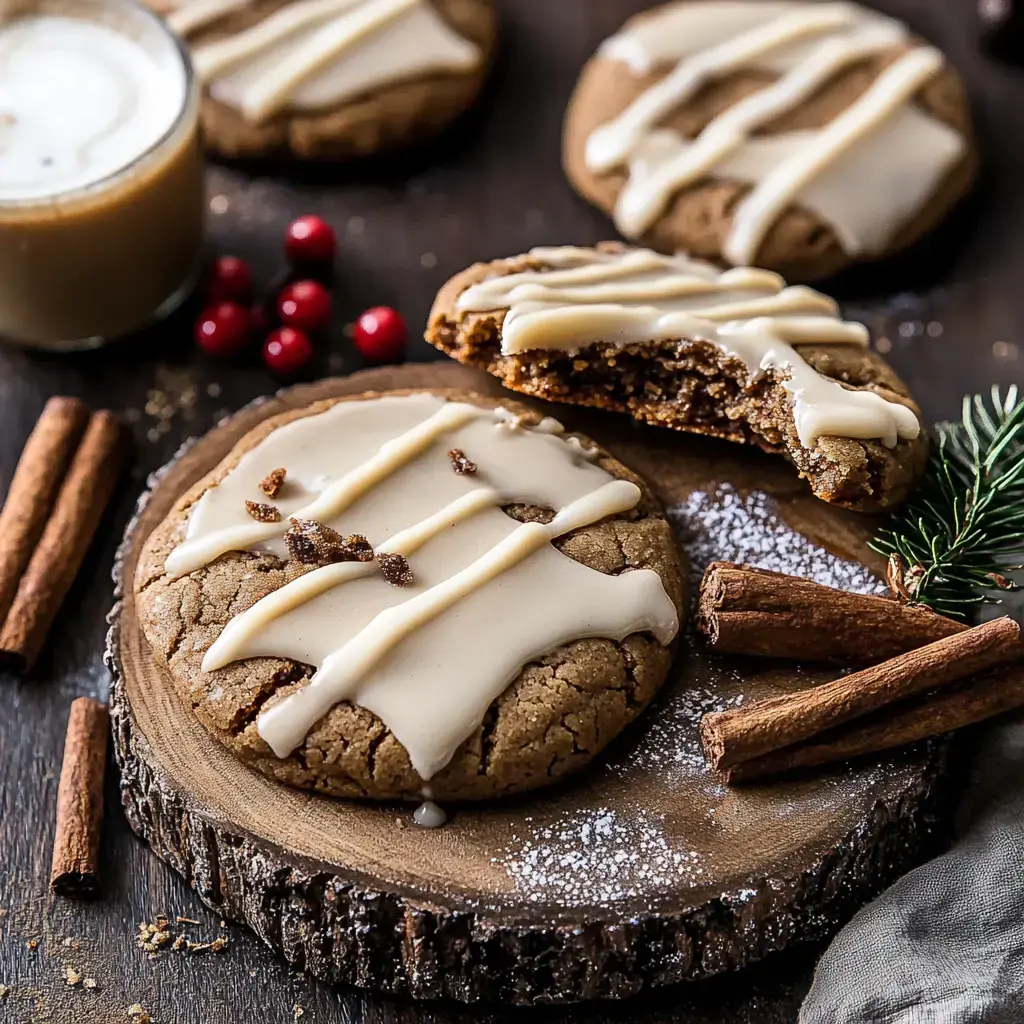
785 134
331 79
377 595
674 341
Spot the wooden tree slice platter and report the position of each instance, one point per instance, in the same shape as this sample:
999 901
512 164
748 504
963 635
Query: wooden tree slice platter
644 870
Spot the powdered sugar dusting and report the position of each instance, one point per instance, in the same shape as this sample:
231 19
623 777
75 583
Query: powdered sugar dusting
726 526
622 851
593 857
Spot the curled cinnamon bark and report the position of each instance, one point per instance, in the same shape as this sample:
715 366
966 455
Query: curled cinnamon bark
76 844
34 489
992 693
755 730
80 503
744 610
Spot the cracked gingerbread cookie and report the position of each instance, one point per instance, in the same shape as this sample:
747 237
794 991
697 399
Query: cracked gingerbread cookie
678 343
797 136
332 79
453 597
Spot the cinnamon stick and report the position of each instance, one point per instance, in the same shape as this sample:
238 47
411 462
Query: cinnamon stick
745 610
985 696
80 504
76 845
744 733
34 488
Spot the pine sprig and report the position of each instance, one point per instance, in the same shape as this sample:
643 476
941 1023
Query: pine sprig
954 544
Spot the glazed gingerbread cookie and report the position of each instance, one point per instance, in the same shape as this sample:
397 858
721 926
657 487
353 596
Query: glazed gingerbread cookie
786 134
332 79
676 342
374 595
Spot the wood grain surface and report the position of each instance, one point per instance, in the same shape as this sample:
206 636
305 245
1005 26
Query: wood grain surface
642 871
952 312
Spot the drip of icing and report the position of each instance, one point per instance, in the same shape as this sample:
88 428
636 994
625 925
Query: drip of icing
429 815
638 296
428 659
866 173
315 54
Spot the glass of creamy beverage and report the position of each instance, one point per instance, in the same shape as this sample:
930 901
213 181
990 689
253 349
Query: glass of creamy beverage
101 171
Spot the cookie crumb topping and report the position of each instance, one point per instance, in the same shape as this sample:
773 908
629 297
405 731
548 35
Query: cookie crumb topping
395 569
460 463
272 483
263 513
313 543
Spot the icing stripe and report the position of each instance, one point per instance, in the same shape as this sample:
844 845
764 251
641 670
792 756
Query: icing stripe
643 200
763 206
285 726
425 658
749 314
865 173
228 647
216 58
611 144
393 455
315 54
271 94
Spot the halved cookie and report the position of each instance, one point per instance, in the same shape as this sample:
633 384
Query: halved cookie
675 342
375 594
332 79
786 134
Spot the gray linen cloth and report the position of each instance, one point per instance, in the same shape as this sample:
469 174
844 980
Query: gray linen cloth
945 944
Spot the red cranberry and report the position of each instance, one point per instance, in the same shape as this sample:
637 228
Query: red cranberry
309 240
306 305
380 335
222 330
286 351
228 280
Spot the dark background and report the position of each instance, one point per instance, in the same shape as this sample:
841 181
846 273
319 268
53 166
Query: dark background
949 314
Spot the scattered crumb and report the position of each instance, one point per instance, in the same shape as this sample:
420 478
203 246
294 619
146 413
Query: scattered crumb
174 393
218 945
395 569
153 937
460 463
138 1014
4 991
272 483
90 983
300 1012
71 976
32 944
262 512
157 938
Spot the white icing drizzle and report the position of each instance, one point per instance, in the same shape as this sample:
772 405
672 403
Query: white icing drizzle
315 54
428 659
866 173
637 296
429 815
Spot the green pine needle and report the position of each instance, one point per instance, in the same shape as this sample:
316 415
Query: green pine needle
955 542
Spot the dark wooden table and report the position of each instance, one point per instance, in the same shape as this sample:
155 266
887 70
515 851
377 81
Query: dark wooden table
950 313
